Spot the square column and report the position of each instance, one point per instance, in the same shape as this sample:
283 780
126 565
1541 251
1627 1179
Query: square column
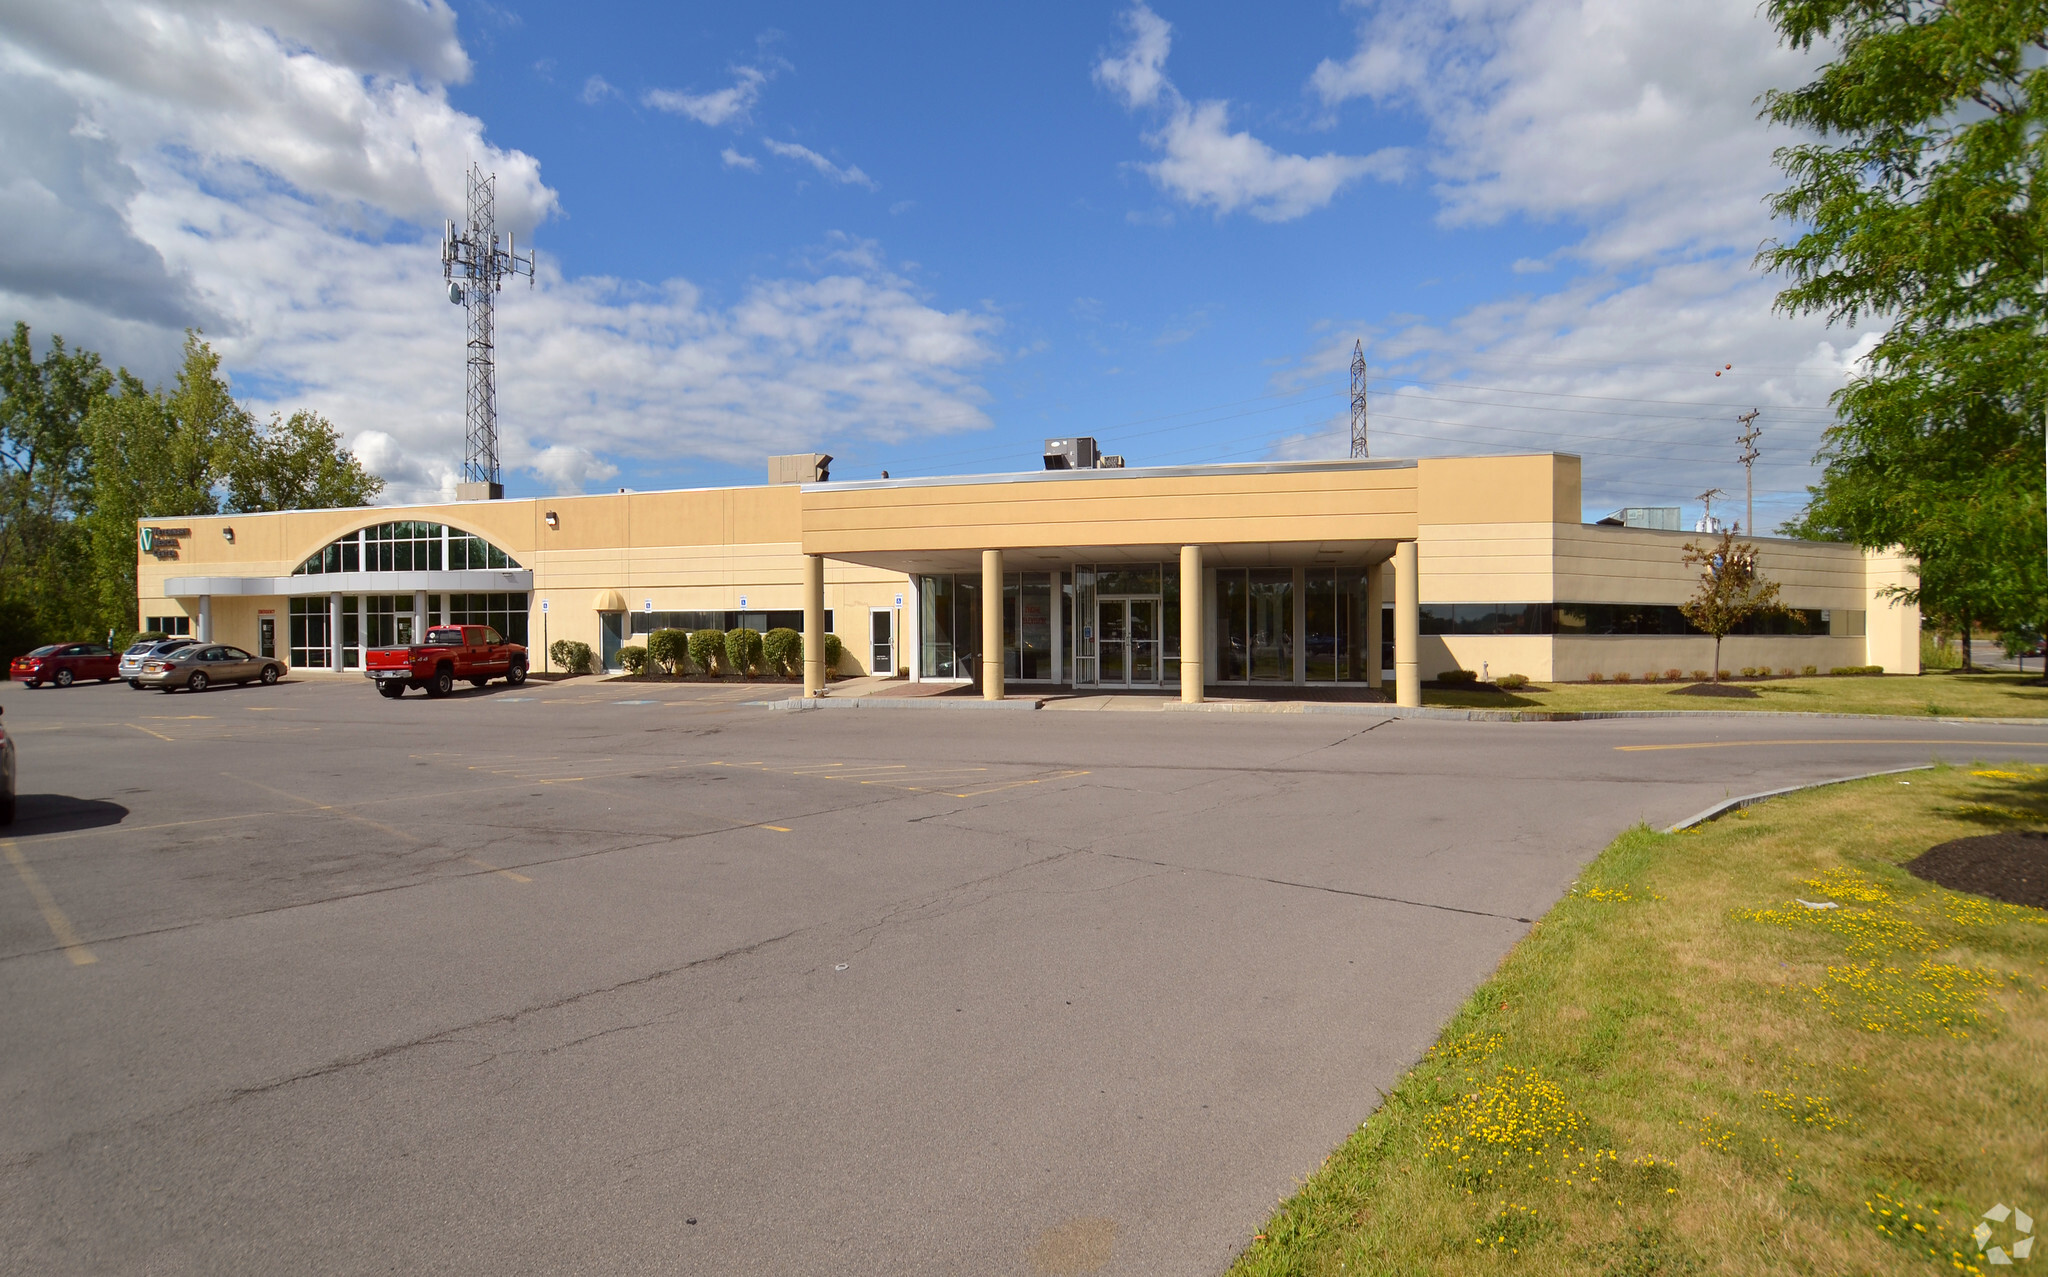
1407 626
991 625
1375 615
334 631
206 618
814 625
1192 609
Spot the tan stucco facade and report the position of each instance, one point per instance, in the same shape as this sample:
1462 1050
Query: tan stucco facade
1490 530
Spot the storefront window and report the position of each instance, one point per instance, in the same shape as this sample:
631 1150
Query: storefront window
950 629
1027 626
312 644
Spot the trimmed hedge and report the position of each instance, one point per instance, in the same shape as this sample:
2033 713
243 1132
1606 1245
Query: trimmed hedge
633 659
783 651
1857 669
573 657
1456 677
1511 682
669 650
743 651
707 651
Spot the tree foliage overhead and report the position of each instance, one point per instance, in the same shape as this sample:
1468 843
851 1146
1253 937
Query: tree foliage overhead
85 453
1920 203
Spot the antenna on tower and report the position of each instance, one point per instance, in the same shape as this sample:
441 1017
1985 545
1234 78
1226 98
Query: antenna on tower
1358 448
1750 434
475 268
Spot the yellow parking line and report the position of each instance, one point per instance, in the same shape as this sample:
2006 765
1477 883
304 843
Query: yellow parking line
159 735
780 829
484 864
1751 744
60 926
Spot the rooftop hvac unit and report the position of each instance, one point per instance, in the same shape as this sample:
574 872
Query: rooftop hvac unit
1078 453
1112 462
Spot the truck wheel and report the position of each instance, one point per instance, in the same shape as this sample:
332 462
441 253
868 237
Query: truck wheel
442 683
391 690
63 678
135 683
515 676
479 682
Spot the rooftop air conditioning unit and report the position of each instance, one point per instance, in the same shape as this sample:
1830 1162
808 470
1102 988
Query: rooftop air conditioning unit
1078 453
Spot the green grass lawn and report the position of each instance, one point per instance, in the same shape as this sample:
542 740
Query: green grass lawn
1682 1070
1935 695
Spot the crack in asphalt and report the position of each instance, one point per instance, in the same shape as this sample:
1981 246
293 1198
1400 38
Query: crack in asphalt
1316 886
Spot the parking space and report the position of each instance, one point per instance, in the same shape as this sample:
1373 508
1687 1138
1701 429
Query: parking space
629 977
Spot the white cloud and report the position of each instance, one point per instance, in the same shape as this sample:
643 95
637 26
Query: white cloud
1633 129
1206 165
167 164
595 90
733 159
848 176
730 105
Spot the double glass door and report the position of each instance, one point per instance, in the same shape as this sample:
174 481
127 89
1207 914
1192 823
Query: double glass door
1127 632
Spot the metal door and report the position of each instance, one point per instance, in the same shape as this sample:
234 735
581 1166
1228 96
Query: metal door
612 631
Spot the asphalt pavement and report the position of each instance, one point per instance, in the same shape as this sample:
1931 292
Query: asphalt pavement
628 978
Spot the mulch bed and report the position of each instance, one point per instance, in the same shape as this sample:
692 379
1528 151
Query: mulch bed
2012 867
1716 689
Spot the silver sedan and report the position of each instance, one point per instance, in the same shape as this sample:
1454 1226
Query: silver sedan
201 665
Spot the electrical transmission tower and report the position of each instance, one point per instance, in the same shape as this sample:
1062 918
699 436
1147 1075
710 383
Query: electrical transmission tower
475 268
1751 432
1358 447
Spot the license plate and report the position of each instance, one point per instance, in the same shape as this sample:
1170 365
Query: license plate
393 674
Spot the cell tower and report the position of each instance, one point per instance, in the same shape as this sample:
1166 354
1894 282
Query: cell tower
1750 434
475 268
1358 448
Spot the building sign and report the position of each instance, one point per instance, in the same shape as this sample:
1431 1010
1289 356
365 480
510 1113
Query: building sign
163 542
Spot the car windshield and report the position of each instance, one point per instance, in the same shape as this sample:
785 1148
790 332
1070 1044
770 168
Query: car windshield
139 648
172 646
450 637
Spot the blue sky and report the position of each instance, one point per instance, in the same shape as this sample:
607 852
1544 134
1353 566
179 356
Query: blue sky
925 237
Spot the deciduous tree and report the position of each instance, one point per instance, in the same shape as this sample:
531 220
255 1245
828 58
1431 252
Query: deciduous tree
1731 590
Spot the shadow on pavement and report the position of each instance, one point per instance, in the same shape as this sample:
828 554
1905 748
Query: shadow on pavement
60 814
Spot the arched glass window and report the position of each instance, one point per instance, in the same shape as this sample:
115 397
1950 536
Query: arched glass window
406 546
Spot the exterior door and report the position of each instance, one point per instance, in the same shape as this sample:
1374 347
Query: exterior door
881 640
612 636
1127 642
266 630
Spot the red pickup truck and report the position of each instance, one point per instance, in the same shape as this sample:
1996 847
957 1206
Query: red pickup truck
475 652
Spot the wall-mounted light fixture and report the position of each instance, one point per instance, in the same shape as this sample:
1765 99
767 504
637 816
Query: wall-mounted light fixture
229 533
553 522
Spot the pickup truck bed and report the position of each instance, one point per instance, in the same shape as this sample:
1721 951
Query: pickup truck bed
473 652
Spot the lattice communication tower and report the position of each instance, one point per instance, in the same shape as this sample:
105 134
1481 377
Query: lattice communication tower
476 267
1358 444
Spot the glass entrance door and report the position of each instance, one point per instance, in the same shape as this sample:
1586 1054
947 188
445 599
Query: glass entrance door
1127 633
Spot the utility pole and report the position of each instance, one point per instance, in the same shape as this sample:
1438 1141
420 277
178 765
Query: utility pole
1358 446
1707 517
1750 434
475 268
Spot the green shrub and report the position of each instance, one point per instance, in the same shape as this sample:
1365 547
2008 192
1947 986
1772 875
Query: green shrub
1701 676
1936 652
1857 669
743 651
783 651
1749 671
707 652
1457 678
669 650
834 649
573 657
1596 677
1511 682
633 659
1725 674
1810 670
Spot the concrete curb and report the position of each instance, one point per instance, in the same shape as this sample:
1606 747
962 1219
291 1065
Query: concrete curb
1736 804
896 702
1567 715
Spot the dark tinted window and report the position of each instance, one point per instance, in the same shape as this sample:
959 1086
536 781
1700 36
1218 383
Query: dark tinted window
45 651
449 637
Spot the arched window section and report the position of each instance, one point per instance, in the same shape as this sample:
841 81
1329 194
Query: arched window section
406 546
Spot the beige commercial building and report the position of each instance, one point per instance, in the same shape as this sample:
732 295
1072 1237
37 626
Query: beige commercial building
1192 577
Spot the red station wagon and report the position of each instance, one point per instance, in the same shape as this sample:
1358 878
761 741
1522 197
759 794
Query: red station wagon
65 664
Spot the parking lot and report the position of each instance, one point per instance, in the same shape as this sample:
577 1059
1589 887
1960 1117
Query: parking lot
630 978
